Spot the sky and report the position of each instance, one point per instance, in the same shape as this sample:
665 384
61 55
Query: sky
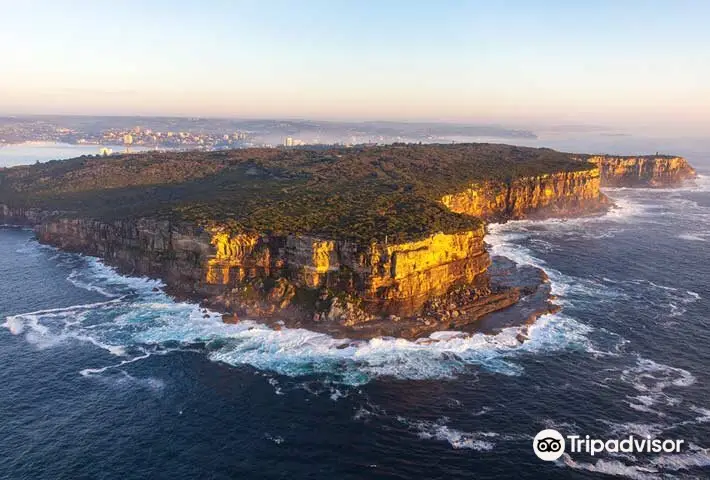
592 61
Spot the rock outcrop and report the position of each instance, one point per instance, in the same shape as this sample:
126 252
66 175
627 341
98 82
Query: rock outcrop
558 194
297 279
642 171
22 216
357 288
340 286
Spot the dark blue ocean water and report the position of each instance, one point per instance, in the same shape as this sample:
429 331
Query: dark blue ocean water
103 377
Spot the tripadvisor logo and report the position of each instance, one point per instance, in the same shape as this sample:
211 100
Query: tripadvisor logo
549 445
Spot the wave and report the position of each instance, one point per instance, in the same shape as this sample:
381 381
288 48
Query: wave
614 468
478 441
123 380
656 468
694 237
139 320
510 239
652 380
701 183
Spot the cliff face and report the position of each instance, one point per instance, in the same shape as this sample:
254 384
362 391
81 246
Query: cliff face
265 275
339 286
558 194
642 171
434 276
21 216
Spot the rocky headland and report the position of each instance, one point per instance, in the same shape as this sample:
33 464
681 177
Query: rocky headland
353 242
642 171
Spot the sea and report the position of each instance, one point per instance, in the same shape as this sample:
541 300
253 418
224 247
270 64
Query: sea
31 152
103 376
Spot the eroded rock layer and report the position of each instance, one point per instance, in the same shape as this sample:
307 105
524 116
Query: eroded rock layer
296 277
557 194
341 286
358 288
642 171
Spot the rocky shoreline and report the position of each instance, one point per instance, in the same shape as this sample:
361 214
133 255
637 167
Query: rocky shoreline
354 289
343 288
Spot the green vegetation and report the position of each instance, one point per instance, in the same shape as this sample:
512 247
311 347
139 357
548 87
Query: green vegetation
358 193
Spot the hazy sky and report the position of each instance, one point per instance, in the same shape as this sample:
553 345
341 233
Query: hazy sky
611 61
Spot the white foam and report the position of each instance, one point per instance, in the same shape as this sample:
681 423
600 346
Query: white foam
504 240
278 440
632 428
139 316
698 458
275 383
676 311
15 325
653 380
123 380
121 324
653 377
654 468
614 467
72 278
479 441
87 372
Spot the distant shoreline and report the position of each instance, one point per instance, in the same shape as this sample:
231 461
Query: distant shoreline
41 143
27 153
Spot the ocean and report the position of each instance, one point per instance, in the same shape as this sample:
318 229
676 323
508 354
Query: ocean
21 154
104 376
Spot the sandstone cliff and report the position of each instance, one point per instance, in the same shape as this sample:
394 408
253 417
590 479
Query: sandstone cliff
642 171
557 194
429 279
294 278
340 286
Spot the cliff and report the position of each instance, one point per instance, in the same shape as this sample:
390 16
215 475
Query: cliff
299 280
555 194
642 171
382 241
337 285
20 216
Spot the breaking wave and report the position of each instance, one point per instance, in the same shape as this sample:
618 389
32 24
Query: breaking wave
657 468
138 320
479 441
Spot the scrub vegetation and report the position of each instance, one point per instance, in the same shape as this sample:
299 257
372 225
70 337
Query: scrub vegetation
359 193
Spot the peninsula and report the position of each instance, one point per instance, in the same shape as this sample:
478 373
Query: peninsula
356 242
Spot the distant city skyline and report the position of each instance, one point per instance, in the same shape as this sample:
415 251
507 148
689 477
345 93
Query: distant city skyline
620 63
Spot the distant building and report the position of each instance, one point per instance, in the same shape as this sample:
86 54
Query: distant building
105 151
128 139
289 142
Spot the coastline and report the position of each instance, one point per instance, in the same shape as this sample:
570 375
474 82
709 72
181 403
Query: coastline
520 294
28 153
533 281
407 288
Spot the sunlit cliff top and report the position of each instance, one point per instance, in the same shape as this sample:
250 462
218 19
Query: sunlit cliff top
359 193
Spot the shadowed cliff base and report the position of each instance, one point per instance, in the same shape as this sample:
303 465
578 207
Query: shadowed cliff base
379 241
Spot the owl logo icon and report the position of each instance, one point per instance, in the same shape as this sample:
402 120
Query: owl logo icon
549 445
